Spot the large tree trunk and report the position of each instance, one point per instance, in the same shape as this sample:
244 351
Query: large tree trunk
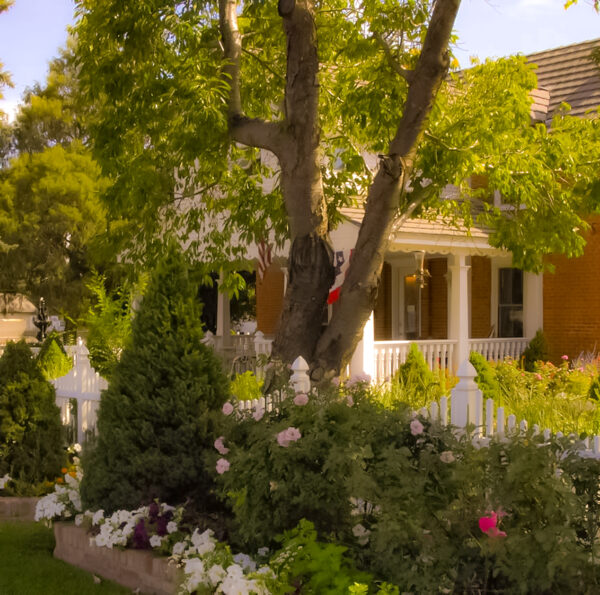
310 264
384 203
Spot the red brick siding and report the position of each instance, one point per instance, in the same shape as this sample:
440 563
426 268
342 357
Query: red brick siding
572 300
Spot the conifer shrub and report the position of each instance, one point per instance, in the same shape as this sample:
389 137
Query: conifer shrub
31 433
486 377
156 419
52 358
536 351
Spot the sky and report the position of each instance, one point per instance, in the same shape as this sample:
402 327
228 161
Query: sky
32 31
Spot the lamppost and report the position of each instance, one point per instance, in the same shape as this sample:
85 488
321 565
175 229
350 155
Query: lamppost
41 320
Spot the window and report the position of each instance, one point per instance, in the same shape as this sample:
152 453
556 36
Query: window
510 303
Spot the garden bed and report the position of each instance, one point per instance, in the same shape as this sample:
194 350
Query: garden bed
131 568
17 509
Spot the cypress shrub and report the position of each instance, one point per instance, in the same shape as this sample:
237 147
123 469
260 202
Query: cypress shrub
486 377
156 419
536 351
52 358
31 432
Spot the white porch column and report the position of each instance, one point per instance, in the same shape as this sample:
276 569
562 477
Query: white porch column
223 315
533 304
363 360
458 322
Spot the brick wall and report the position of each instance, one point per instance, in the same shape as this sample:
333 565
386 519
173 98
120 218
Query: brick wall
269 300
481 295
572 300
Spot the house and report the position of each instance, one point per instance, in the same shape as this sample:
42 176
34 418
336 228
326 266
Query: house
450 291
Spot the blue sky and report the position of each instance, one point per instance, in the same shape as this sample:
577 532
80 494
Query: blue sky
32 31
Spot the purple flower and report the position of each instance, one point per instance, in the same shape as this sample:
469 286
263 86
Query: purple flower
140 536
161 526
153 511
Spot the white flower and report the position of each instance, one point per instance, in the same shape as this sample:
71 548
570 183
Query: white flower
245 561
4 480
78 520
98 516
216 574
361 534
77 447
447 457
156 541
179 548
171 527
203 542
194 571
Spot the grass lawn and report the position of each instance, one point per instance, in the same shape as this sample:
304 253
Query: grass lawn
28 568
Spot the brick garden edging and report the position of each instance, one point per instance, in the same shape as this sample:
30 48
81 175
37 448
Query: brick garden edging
17 509
134 569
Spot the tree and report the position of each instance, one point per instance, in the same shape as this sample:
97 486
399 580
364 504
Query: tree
206 91
50 211
157 418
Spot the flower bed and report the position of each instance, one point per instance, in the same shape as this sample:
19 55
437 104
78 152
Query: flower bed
131 568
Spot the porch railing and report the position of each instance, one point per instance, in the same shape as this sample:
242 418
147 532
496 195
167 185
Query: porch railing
389 355
498 349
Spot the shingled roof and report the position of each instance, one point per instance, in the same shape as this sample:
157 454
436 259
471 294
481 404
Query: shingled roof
569 75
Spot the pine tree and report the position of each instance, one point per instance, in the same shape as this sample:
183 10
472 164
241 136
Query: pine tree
156 419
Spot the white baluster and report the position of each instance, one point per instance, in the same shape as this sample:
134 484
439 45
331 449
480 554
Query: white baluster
500 421
444 411
489 417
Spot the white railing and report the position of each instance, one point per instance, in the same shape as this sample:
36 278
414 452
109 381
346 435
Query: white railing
389 355
498 349
83 384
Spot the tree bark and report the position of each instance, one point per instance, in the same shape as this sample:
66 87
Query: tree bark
384 202
310 263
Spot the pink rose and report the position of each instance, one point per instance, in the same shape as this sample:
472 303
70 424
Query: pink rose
564 357
489 525
221 448
222 466
288 436
301 399
258 413
416 427
227 408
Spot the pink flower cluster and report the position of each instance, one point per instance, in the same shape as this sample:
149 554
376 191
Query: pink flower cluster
221 448
301 399
227 408
286 437
489 524
222 466
416 427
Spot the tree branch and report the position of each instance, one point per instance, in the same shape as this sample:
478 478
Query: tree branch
406 74
253 132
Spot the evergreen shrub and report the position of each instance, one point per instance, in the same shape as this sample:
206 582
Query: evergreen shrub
486 377
156 419
52 358
32 448
536 351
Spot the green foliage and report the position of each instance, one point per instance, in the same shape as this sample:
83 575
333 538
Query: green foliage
246 387
405 497
108 321
31 433
486 377
52 358
415 384
310 566
155 421
536 351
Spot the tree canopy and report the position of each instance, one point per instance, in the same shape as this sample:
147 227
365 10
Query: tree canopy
50 208
190 99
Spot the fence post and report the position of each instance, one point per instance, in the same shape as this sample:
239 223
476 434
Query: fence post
463 395
300 379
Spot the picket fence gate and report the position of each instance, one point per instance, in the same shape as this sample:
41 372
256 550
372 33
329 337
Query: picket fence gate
83 384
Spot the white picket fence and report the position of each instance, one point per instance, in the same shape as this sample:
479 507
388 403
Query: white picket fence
464 409
83 384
